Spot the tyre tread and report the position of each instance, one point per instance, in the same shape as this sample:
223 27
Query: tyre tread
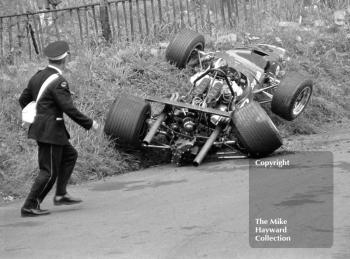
256 131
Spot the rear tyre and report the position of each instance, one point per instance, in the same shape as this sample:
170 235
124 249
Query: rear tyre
181 50
256 131
291 96
126 120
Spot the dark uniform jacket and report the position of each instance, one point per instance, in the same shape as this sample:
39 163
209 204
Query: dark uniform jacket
49 126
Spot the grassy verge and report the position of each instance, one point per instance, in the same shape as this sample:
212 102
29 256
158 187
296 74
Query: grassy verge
98 75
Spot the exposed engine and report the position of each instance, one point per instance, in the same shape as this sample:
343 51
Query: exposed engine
210 89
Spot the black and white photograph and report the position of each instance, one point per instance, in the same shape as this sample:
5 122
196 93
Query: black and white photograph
175 129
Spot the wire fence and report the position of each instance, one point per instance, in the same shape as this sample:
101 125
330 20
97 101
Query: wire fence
27 33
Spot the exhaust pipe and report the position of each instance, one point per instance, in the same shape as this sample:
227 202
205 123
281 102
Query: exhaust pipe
210 141
154 128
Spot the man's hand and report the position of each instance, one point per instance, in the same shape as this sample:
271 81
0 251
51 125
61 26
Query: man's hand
95 125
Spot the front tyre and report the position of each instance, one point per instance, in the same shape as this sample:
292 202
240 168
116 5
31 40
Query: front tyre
182 49
126 120
291 96
256 131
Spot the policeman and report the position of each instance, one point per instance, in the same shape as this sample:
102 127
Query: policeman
56 156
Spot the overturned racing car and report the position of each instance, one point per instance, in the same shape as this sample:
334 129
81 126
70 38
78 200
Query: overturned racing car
222 111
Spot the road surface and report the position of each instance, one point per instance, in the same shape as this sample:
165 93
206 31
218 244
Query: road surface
170 212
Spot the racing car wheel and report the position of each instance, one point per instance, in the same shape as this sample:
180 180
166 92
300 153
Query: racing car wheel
126 120
291 96
256 131
181 49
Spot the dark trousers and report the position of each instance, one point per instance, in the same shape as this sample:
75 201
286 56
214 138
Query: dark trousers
55 162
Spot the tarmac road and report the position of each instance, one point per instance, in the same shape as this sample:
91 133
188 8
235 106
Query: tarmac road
169 212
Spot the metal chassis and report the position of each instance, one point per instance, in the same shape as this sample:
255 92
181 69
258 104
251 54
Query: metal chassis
275 82
209 141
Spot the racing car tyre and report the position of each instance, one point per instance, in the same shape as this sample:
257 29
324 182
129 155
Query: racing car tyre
256 131
126 120
181 47
291 96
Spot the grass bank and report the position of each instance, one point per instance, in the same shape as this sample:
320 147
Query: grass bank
97 75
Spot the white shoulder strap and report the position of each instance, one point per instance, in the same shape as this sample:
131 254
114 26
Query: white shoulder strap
47 82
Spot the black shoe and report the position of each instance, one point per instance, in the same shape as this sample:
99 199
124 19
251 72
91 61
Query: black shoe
65 200
33 212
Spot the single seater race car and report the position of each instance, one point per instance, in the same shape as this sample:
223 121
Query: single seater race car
221 112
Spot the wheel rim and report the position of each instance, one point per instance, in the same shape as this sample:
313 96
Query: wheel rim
143 130
194 55
301 101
